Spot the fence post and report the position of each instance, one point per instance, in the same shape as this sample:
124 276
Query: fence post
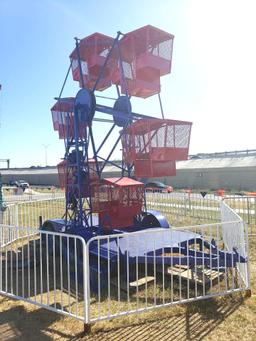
17 214
86 280
254 220
185 204
189 203
248 279
248 211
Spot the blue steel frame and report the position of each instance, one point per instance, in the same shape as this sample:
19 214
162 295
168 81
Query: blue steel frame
78 212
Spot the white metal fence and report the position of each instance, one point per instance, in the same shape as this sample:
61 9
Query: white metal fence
12 198
185 205
46 269
26 214
245 207
177 207
122 274
116 275
26 210
236 237
145 276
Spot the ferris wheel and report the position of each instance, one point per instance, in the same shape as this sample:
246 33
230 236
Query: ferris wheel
133 64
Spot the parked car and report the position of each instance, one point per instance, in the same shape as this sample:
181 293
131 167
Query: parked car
157 186
19 183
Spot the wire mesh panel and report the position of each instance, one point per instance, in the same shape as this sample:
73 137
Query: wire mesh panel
63 119
93 52
153 145
118 200
146 56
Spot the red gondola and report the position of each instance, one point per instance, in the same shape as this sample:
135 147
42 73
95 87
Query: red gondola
153 146
93 52
146 56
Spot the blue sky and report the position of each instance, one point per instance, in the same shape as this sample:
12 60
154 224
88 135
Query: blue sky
212 82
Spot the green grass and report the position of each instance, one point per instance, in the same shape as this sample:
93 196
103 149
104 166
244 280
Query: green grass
29 212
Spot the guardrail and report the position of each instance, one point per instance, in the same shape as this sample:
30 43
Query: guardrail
177 207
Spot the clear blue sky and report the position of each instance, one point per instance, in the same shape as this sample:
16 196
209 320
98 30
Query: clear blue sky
212 82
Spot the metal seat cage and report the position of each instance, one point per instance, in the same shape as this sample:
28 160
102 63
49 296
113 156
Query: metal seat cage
117 201
153 146
146 56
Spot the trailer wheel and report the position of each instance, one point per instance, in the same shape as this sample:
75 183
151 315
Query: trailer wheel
150 221
48 226
154 219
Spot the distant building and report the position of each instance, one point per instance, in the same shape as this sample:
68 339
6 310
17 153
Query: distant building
229 170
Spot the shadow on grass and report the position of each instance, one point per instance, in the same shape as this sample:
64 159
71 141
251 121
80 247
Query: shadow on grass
198 321
16 323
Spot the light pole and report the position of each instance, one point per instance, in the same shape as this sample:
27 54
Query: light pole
45 152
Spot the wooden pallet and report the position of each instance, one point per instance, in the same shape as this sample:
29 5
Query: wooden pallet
132 285
199 275
141 281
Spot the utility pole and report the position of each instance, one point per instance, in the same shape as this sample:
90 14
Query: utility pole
45 152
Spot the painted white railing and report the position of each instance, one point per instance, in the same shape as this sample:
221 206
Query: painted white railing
122 274
43 268
26 214
100 279
129 283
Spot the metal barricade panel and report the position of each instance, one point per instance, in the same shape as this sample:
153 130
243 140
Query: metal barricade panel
133 273
122 274
44 268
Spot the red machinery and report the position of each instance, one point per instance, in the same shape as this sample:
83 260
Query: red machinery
62 173
93 52
134 62
146 56
153 146
118 201
63 119
68 178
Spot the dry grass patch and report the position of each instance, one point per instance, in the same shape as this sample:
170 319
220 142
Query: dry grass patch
224 318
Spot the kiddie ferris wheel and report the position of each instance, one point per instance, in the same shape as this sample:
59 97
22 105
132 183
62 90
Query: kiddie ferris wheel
106 208
134 64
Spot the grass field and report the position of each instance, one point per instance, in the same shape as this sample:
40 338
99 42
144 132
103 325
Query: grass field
224 318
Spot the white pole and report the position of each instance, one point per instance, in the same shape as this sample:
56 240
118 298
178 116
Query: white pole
45 152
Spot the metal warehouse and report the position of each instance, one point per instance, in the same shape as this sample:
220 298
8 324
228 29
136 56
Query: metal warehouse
230 173
207 172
